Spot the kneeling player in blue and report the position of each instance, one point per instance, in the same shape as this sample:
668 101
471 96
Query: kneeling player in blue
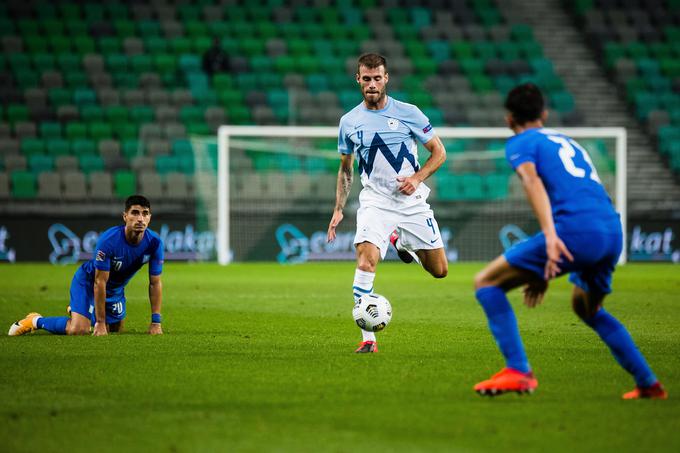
581 235
98 286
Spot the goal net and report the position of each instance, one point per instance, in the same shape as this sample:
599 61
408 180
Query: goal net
273 192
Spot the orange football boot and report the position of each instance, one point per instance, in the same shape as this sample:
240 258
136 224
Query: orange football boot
653 392
367 347
23 326
507 380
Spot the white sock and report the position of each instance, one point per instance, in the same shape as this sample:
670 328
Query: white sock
363 284
367 336
35 321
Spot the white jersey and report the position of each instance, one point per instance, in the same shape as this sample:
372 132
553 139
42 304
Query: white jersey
385 145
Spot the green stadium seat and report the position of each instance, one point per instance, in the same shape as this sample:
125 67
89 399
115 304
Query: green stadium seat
131 148
44 62
471 185
126 130
141 114
190 63
116 113
521 32
32 146
141 63
125 184
284 64
496 185
16 113
76 79
50 130
100 130
76 130
58 147
461 49
182 148
23 184
90 163
84 96
39 163
91 112
223 82
167 164
186 165
69 62
109 45
82 147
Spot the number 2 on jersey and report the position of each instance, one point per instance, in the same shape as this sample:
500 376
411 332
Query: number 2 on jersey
567 154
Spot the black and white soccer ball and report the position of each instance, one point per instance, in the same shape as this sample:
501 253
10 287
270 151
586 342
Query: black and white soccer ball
372 312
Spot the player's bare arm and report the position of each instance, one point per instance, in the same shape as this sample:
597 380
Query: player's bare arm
100 279
344 185
156 299
540 203
409 184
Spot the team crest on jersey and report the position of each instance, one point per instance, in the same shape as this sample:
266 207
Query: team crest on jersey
101 256
392 124
117 263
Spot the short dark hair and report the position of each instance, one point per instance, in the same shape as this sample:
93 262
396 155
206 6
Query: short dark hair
371 61
525 103
140 200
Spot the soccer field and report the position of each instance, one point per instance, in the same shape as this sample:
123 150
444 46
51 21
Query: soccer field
259 357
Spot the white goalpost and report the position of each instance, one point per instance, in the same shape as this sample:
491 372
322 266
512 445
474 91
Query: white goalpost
227 135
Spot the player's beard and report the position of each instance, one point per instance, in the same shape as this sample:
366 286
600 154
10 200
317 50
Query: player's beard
381 95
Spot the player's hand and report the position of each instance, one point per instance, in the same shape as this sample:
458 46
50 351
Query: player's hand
335 221
408 185
534 292
555 249
155 329
99 329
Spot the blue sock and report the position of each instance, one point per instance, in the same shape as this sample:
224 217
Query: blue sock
622 346
55 324
503 326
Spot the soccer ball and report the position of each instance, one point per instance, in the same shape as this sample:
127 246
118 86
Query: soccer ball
372 312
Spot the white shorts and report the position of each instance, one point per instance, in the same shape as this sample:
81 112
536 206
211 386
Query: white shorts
417 231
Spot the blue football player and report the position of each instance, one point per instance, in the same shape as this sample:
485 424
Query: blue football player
580 234
98 286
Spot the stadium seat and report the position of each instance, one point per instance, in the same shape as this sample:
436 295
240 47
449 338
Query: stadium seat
23 184
49 186
125 184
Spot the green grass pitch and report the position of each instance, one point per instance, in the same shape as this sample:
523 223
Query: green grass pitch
258 357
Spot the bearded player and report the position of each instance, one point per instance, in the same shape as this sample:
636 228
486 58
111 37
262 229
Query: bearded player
382 133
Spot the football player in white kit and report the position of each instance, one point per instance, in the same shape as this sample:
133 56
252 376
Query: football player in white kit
393 206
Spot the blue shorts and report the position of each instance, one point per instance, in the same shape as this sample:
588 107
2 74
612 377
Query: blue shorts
595 257
82 302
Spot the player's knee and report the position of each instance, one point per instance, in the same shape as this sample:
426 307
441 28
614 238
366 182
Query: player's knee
480 280
366 266
440 271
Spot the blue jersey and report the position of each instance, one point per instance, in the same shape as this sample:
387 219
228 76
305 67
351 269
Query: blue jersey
122 260
578 199
385 145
